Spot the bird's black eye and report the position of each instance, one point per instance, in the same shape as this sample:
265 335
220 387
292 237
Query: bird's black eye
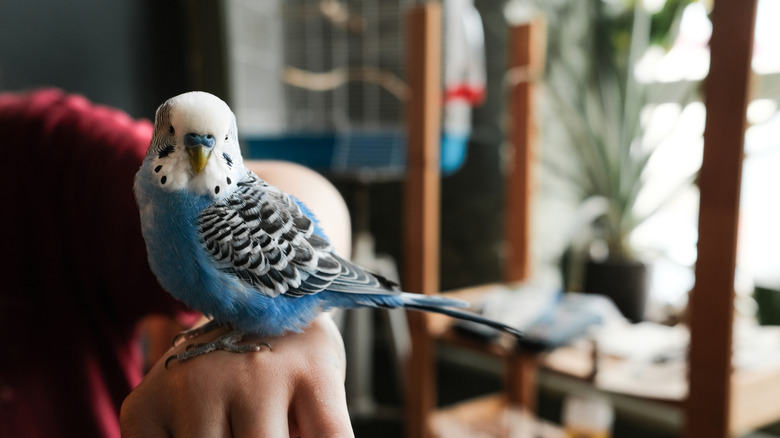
226 138
170 129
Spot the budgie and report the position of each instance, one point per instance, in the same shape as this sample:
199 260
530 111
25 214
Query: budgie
237 249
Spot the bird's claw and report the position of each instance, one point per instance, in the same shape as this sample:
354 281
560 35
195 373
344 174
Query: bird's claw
171 357
192 346
177 337
227 342
195 332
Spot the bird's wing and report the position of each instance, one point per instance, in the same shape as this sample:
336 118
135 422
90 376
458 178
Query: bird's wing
260 235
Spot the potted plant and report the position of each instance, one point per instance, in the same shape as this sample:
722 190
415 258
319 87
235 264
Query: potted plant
595 104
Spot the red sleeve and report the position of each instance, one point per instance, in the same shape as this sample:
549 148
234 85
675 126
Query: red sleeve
78 281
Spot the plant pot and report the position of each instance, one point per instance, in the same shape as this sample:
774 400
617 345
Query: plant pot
768 300
625 282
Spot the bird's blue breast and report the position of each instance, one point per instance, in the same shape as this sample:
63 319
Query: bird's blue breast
175 253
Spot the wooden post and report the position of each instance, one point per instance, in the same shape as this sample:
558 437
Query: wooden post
726 91
422 202
525 62
423 120
522 370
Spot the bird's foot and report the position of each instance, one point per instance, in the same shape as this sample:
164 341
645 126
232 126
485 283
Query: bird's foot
192 333
227 342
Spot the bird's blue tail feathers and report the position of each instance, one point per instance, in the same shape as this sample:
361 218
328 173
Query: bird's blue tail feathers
449 306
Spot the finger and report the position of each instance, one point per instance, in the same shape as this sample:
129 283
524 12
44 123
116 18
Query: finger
195 427
199 418
135 423
141 415
194 400
260 421
145 430
259 400
320 410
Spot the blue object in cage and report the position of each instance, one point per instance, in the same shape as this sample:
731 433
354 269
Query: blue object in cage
381 153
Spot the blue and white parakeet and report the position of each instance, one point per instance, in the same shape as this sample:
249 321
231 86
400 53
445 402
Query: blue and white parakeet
237 249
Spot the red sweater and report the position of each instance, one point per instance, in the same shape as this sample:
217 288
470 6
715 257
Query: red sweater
75 277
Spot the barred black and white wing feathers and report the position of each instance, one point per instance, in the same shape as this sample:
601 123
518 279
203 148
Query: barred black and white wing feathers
260 235
354 279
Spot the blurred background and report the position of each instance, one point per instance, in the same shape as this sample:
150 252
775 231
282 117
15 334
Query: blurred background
322 83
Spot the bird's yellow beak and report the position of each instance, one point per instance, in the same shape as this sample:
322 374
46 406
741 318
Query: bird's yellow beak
199 157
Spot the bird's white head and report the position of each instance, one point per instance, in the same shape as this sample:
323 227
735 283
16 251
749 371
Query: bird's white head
195 146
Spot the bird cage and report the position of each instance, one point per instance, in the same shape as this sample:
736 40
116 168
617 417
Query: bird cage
321 82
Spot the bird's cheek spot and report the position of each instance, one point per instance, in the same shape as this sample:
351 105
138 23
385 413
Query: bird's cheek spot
216 190
158 168
163 179
229 181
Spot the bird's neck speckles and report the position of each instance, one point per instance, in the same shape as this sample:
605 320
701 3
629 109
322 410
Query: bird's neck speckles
172 172
217 180
169 170
228 159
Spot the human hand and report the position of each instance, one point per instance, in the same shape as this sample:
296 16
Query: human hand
296 389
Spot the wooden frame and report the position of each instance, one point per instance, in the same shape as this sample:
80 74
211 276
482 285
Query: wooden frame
422 198
711 308
526 60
